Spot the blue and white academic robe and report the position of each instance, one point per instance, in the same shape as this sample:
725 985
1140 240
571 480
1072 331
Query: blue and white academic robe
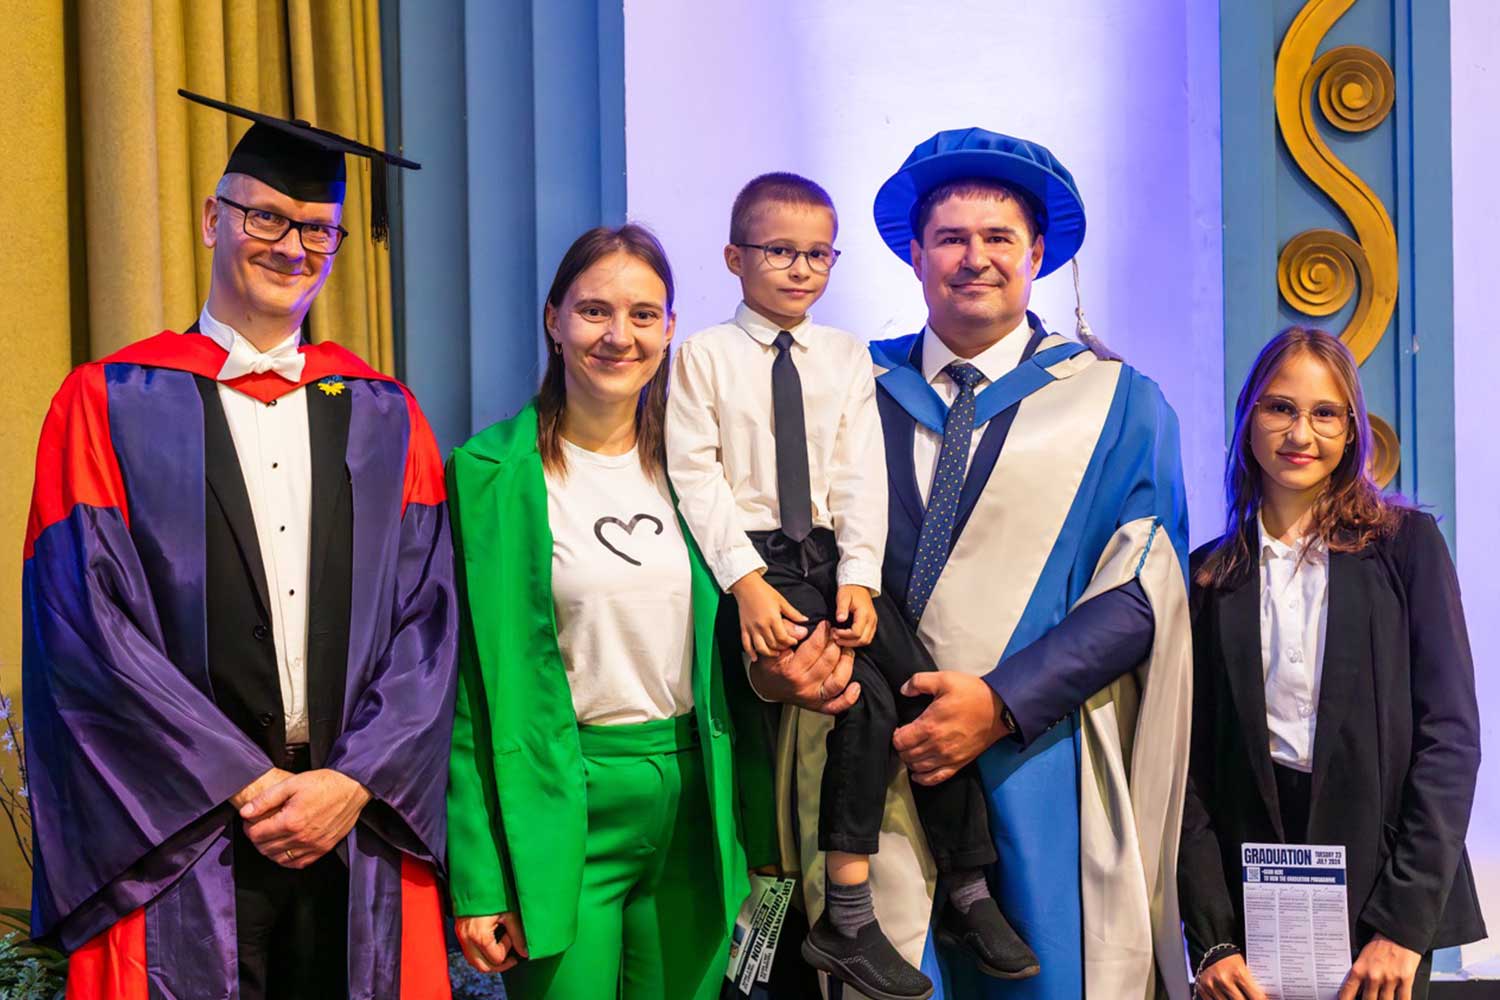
1084 496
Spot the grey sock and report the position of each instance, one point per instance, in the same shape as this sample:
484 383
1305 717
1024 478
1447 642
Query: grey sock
967 887
850 907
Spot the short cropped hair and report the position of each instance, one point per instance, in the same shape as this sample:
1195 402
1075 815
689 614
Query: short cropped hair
970 187
782 188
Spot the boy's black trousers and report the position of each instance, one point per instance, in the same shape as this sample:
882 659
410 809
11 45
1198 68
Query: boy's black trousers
860 757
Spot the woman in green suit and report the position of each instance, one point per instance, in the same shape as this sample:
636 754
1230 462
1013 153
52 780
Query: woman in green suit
597 842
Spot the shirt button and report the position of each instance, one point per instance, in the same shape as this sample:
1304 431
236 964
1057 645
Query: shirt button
1294 654
270 402
1304 709
260 632
275 465
291 593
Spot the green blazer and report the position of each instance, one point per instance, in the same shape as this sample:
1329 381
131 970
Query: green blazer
517 815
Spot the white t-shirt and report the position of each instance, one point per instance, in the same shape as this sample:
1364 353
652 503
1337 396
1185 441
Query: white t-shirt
622 590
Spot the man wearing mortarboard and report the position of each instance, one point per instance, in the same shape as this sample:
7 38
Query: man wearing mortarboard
239 634
1038 545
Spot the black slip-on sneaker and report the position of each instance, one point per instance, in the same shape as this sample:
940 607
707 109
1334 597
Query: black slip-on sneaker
868 962
987 937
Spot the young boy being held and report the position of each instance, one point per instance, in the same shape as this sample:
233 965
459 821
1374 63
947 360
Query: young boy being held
774 447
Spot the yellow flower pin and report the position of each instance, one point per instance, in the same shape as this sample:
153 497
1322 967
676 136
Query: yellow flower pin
333 385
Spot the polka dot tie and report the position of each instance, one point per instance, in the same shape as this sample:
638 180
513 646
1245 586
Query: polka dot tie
942 504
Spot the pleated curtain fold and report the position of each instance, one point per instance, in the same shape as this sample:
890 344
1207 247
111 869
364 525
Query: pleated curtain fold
150 159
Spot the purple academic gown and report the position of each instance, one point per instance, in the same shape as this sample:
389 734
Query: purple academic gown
130 761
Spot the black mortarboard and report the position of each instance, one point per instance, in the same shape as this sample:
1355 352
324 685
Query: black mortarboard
303 161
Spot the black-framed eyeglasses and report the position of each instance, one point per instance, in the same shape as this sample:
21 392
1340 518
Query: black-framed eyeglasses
316 237
782 256
1277 413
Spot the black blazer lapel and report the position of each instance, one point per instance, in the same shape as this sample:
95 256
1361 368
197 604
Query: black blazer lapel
221 467
1345 647
330 567
1239 638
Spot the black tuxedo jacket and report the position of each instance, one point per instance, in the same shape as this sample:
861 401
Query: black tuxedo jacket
241 648
1395 751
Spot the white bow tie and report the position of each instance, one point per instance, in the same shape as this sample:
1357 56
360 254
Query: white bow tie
284 359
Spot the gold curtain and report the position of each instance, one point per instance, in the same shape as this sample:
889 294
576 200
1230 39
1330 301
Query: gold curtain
103 174
150 158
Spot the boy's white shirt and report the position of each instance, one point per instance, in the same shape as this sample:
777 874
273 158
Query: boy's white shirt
721 443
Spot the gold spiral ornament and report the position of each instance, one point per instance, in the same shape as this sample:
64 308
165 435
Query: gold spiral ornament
1320 270
1356 87
1385 452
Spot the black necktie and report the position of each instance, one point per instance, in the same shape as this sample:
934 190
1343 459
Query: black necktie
791 443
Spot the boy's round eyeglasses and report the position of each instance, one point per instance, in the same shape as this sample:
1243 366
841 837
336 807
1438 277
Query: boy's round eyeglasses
316 237
1275 414
781 256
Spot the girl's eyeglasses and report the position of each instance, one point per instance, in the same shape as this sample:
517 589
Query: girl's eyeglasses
1275 414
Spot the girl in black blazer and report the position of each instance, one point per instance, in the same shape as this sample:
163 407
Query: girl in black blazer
1334 689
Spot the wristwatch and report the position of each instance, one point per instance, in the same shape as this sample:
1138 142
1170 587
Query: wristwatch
1007 717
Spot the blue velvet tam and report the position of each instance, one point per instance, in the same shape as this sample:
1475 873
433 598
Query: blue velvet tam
961 154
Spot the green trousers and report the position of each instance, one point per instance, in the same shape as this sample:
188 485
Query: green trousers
651 917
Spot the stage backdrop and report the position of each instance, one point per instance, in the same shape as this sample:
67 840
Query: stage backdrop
1476 358
1126 95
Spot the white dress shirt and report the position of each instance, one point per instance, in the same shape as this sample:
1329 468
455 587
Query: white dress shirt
721 445
622 590
1293 629
274 448
993 362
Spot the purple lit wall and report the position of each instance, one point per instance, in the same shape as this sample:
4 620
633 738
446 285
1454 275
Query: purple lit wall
1127 95
1476 261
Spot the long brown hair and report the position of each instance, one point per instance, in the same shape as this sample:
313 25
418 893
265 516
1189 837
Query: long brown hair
651 409
1350 513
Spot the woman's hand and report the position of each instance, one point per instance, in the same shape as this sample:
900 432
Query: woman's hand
493 943
1383 971
855 607
768 622
1228 979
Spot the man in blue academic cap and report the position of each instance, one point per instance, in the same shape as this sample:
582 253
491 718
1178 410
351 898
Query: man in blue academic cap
1038 543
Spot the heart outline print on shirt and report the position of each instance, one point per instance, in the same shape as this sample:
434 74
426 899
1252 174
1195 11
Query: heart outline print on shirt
629 529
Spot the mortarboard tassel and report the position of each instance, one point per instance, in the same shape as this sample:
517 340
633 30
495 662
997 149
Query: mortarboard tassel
380 219
1085 334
